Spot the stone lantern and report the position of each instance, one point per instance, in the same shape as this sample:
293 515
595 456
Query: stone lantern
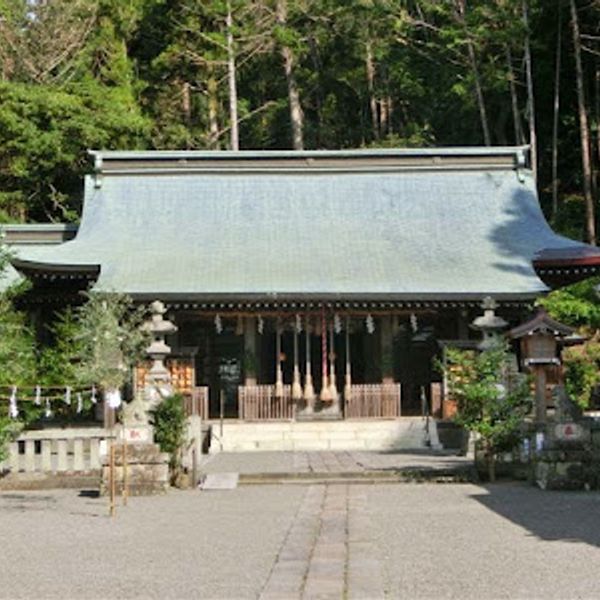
539 340
158 379
489 324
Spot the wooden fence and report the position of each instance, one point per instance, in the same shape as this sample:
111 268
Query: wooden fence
258 403
56 451
374 401
196 403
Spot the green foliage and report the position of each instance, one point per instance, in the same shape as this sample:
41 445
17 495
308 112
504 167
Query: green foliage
492 399
169 429
582 371
576 305
108 339
9 431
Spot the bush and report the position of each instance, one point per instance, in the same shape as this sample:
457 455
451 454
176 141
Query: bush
169 430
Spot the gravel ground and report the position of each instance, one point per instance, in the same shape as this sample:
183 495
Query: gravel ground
506 541
427 541
218 544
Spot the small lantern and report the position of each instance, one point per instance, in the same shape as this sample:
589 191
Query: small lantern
539 341
539 338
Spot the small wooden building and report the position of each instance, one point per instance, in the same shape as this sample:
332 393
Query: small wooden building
307 283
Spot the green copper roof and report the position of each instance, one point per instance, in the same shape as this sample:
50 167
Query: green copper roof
458 223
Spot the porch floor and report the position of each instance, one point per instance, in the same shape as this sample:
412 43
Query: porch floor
267 467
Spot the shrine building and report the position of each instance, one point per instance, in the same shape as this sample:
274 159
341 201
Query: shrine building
308 284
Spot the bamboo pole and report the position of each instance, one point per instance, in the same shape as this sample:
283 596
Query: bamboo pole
112 479
125 490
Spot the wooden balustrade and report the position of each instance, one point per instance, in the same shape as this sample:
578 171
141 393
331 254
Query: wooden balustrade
56 451
373 401
196 403
258 403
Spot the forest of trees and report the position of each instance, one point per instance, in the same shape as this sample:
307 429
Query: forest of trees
267 74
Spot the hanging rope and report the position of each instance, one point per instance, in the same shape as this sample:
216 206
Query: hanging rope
348 382
309 390
278 371
296 386
325 391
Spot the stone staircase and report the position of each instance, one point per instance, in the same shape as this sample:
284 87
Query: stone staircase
405 433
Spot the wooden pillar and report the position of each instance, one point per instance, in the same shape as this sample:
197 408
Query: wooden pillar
387 349
540 393
250 355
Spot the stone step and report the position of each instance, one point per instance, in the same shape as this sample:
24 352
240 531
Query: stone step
403 433
458 474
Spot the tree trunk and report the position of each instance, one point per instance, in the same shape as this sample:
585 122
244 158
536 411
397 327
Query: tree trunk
186 103
213 110
370 69
460 9
296 114
530 94
514 98
556 115
232 78
586 163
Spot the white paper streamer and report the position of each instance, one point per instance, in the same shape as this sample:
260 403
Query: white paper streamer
13 411
337 324
68 395
414 323
79 402
38 395
298 324
93 396
261 325
48 412
218 324
113 398
370 324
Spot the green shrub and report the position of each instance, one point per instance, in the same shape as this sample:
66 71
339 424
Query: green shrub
169 430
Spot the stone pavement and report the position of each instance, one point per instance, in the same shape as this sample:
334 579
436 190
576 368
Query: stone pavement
388 541
328 552
328 462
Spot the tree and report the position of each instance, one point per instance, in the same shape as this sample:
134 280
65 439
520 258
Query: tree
492 399
584 133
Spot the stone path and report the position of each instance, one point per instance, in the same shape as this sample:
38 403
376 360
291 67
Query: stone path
328 551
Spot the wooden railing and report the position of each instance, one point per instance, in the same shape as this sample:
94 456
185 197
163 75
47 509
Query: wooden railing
373 400
56 451
196 403
258 403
